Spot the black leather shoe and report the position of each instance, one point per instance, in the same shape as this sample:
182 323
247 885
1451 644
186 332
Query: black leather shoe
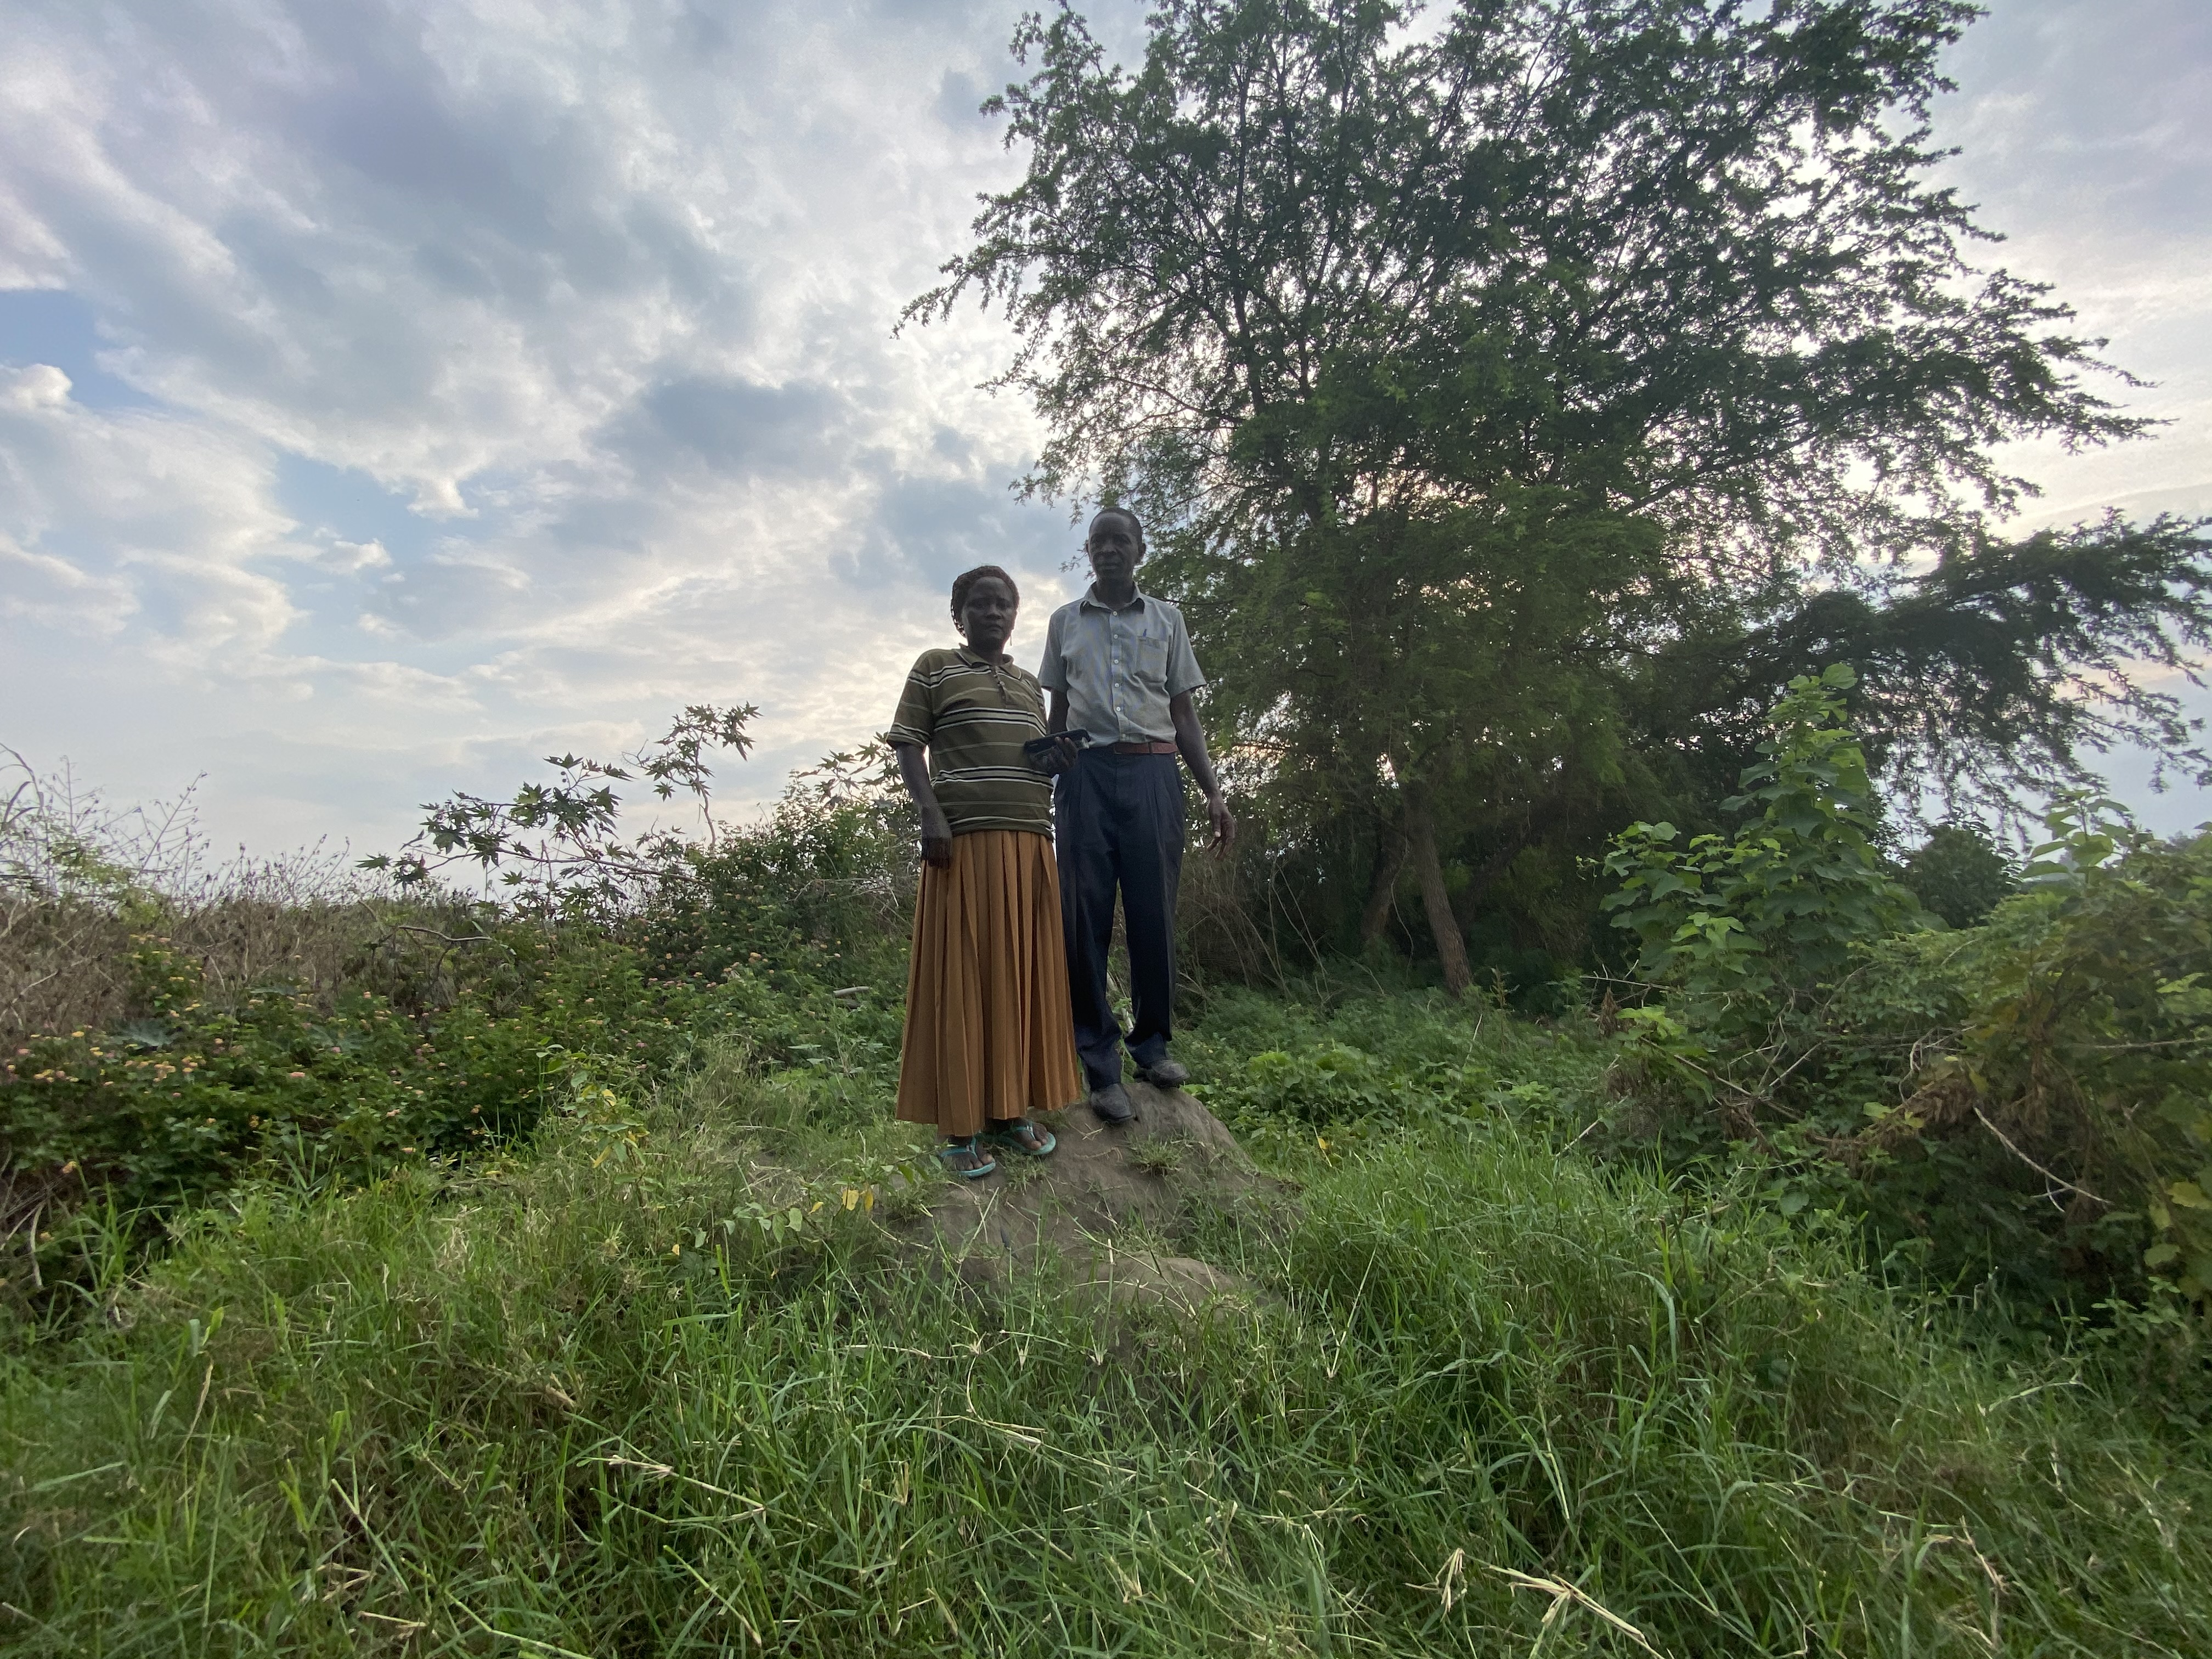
1168 1074
1112 1105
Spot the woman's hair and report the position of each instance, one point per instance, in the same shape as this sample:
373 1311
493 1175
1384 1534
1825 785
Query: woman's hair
962 583
1117 512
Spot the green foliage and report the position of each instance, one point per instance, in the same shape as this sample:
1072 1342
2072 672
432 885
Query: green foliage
824 888
1960 874
1481 1401
1329 1070
1735 925
442 1031
2022 1100
1334 1084
1518 398
669 1376
182 1101
1303 255
561 845
1995 673
2087 1044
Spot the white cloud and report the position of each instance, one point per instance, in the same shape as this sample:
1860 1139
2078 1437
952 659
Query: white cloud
603 293
137 518
2080 128
523 368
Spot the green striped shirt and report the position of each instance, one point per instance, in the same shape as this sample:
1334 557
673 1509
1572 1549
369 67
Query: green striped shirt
973 716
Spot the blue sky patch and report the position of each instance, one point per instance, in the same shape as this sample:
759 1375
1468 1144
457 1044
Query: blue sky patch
53 325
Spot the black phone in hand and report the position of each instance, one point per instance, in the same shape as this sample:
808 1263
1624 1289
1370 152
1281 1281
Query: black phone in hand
1045 753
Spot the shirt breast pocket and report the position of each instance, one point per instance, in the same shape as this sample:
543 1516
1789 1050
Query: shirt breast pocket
1153 663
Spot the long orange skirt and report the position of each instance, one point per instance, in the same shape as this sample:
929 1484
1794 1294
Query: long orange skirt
989 1034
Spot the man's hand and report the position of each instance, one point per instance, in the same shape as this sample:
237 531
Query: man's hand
1225 825
936 838
1190 742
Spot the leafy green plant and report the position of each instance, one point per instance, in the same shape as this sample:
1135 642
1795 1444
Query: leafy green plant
562 844
1737 920
821 890
2022 1102
1741 932
2087 1048
1959 873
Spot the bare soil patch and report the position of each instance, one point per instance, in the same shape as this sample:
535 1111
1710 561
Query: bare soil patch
1107 1207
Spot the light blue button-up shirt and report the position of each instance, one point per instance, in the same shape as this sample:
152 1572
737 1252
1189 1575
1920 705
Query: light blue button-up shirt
1119 666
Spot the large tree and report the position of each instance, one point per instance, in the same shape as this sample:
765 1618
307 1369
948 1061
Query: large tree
1481 379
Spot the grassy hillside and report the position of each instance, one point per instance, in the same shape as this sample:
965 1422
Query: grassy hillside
1480 1396
404 1275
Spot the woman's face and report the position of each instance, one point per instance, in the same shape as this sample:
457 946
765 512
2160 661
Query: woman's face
986 618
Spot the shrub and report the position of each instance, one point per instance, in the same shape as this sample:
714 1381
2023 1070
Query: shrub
1731 921
1959 873
1742 931
1323 1065
2024 1100
2086 1051
826 884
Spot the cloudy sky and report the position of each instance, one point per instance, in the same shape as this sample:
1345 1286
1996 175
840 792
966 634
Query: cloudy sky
392 393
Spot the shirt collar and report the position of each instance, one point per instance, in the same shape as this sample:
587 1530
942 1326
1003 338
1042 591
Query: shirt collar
1091 600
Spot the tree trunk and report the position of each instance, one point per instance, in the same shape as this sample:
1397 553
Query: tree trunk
1421 842
1389 864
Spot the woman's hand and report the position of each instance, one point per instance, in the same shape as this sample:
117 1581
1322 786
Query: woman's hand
936 833
936 838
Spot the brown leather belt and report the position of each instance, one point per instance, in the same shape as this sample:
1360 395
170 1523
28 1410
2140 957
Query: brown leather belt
1154 748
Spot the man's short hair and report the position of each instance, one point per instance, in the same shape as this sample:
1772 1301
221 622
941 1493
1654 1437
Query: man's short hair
1116 513
965 581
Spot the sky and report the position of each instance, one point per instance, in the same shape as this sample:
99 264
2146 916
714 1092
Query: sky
392 394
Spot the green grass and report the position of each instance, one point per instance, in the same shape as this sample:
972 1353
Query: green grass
588 1402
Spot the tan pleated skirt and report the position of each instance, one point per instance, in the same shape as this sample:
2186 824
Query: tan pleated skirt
988 1031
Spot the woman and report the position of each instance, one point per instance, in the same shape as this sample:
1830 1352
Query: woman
987 1035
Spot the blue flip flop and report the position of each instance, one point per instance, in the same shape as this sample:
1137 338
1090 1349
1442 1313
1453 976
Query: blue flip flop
1007 1137
953 1149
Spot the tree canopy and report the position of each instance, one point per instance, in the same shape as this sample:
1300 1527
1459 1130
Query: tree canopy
1515 388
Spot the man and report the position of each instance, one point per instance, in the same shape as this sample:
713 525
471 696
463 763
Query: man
1118 665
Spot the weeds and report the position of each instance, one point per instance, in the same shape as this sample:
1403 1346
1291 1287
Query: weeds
1156 1158
652 1365
1486 1398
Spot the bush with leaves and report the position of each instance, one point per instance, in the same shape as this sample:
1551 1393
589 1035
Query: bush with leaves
2024 1101
2086 1051
1741 933
1961 873
822 890
562 846
188 1095
446 1026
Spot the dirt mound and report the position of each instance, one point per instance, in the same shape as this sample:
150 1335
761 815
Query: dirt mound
1108 1205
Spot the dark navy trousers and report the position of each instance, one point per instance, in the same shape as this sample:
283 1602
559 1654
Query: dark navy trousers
1118 824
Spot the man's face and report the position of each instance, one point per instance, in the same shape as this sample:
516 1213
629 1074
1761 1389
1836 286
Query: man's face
1115 549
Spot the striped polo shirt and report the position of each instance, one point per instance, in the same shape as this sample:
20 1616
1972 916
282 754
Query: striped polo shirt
973 716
